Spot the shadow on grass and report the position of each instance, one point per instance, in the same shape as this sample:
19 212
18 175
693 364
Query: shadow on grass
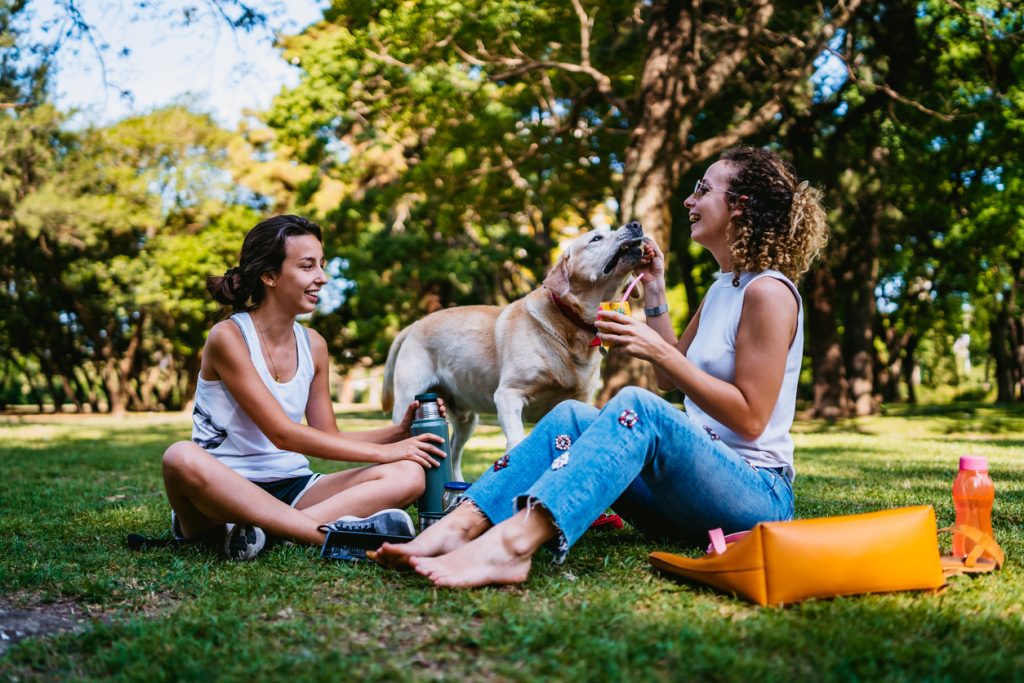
826 426
965 408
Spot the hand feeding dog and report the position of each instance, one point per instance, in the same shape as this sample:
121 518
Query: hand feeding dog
521 360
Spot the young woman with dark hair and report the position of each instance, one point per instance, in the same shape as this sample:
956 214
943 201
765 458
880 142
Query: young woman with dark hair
726 462
244 474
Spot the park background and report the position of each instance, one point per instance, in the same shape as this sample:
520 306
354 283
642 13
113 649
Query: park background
448 148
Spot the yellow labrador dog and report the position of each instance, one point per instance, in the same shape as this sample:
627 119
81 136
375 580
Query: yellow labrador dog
521 360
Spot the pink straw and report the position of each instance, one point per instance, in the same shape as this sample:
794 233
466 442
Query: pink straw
629 289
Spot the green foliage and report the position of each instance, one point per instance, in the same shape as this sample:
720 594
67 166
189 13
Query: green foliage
914 170
445 182
106 259
604 615
448 146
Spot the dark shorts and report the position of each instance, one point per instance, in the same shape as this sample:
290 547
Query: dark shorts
288 490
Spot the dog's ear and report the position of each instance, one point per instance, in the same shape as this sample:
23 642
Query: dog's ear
557 281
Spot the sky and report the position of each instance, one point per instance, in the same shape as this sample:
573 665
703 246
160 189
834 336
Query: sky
222 71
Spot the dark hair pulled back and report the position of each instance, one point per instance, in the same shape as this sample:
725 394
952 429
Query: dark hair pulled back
262 252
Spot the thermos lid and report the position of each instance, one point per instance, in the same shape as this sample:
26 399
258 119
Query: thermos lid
426 398
977 463
457 485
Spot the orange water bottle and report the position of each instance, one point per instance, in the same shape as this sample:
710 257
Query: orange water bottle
973 494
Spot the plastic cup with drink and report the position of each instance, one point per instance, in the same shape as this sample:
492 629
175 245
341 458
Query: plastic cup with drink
620 306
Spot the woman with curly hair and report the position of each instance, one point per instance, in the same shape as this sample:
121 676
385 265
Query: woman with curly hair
726 462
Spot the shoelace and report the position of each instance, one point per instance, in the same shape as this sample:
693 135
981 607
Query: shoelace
348 526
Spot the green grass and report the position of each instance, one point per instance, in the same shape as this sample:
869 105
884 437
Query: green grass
72 488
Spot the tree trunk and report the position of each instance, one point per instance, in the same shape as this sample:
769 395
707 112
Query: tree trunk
1016 336
652 163
909 363
861 279
831 392
999 347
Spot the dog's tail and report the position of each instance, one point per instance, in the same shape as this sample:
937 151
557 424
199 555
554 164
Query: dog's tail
387 396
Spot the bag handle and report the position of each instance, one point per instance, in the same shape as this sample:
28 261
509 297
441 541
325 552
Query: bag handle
985 548
720 542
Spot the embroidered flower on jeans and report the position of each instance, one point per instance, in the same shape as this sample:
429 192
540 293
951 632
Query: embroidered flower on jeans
560 462
628 418
711 433
501 463
562 442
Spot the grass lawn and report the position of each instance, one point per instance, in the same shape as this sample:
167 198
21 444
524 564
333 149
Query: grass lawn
72 488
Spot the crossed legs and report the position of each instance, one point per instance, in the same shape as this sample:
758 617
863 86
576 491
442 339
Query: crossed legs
205 494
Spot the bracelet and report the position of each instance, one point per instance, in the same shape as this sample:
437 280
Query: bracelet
655 311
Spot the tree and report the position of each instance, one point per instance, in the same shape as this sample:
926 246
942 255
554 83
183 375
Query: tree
106 260
898 139
456 142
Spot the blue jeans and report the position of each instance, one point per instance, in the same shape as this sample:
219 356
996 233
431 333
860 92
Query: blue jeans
641 456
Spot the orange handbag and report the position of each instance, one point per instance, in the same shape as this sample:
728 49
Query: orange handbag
785 562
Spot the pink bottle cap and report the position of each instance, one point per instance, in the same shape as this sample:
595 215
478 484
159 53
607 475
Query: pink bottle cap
976 463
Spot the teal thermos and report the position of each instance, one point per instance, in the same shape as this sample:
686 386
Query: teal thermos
429 420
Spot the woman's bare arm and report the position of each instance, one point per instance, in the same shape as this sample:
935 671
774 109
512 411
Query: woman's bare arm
226 357
766 330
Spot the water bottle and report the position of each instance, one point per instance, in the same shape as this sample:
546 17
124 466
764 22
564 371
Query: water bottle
973 494
429 420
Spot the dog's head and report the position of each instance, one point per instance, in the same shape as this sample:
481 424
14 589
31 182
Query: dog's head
593 266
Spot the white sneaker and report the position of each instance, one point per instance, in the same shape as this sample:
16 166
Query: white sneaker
243 542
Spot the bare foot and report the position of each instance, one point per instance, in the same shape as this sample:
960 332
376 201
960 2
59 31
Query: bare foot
453 531
500 556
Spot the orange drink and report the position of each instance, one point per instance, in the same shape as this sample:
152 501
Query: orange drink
617 306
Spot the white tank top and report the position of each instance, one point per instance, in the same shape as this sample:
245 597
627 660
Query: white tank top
713 350
225 430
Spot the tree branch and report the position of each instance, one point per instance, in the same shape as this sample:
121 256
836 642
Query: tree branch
892 94
522 63
711 146
716 75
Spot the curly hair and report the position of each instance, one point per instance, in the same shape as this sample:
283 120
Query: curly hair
782 225
262 252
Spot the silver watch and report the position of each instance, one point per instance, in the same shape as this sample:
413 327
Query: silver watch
655 311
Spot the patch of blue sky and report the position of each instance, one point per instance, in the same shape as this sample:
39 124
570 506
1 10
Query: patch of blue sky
888 292
216 183
616 164
340 150
830 73
978 134
334 293
993 177
147 60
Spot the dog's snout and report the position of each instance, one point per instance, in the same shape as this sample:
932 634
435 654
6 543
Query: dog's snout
633 226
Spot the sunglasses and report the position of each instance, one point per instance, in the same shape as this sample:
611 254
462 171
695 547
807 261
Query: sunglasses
702 188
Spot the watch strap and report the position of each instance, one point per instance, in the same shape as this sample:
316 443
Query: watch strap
655 311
